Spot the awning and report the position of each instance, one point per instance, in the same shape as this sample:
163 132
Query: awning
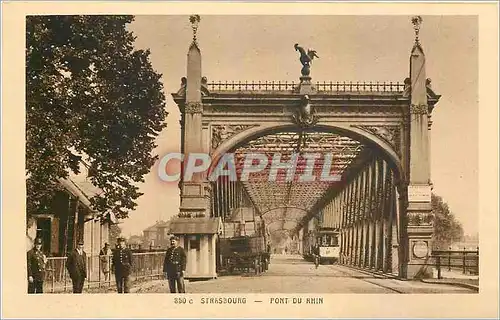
71 187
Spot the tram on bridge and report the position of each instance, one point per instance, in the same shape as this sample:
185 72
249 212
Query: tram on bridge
329 245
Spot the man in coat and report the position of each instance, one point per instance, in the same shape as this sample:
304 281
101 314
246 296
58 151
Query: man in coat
36 262
122 263
174 266
77 267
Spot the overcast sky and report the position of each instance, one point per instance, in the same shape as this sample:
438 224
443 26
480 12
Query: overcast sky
351 48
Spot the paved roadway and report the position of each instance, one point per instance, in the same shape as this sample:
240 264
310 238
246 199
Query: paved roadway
292 274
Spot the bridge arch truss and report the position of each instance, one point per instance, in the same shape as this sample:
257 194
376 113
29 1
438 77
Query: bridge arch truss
376 133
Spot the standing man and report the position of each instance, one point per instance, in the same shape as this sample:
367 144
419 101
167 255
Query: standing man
122 263
77 267
174 266
317 257
105 257
36 262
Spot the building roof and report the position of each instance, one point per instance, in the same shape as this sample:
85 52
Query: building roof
157 225
83 182
195 226
150 229
71 187
80 185
163 224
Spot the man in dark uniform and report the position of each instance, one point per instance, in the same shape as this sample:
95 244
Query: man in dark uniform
317 257
36 267
174 266
122 263
77 268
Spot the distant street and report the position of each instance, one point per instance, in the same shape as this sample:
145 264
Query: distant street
292 274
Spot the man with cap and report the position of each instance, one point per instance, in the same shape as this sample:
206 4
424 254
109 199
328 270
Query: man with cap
174 265
36 262
122 263
77 267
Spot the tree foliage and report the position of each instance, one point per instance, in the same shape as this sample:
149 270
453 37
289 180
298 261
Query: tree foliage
446 227
114 232
89 93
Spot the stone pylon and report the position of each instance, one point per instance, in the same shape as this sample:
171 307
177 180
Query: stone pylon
195 193
419 220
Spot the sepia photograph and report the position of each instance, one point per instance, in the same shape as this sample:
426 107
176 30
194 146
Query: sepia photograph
210 156
302 154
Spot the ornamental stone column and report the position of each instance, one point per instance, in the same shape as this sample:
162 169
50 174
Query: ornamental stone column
195 195
419 210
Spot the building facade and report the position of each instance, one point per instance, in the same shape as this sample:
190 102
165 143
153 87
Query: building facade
71 219
157 235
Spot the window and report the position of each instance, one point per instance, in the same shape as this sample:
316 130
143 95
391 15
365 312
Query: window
194 243
335 240
43 231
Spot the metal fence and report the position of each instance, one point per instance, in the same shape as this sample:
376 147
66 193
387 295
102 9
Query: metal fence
466 261
389 87
145 265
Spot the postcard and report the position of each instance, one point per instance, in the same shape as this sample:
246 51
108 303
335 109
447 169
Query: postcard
285 160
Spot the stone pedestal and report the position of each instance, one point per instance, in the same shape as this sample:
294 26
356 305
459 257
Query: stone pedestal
420 244
306 86
195 200
419 231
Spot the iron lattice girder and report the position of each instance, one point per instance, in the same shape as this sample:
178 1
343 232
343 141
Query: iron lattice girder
341 150
267 195
281 225
283 218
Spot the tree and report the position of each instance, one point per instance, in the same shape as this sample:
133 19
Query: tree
446 228
90 95
114 232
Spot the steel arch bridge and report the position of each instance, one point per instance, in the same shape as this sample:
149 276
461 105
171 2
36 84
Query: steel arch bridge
377 139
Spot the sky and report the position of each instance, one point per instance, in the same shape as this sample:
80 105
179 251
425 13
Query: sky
351 48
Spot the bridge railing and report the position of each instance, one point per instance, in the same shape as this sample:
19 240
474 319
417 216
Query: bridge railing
251 86
227 86
146 265
360 86
465 261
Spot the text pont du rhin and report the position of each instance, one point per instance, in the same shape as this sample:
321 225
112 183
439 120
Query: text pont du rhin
297 300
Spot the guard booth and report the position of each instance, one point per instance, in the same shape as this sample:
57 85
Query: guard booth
198 237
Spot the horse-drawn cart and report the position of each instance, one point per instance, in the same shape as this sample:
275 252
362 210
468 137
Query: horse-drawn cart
244 253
